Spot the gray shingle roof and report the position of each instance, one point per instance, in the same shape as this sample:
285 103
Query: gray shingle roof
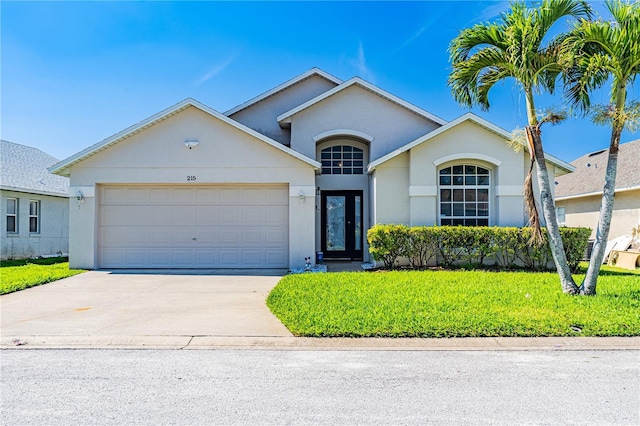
590 170
24 169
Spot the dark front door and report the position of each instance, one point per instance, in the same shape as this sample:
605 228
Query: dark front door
342 224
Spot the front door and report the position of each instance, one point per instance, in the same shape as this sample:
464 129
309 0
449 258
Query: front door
342 224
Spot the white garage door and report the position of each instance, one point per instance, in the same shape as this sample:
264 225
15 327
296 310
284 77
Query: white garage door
212 226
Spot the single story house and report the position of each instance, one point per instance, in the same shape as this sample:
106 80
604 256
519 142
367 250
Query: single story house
308 166
579 194
34 204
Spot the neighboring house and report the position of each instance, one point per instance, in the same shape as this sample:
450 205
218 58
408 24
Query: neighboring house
34 204
308 166
579 194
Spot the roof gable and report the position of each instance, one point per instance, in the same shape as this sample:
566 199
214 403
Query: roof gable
467 117
590 170
285 118
62 167
24 169
282 87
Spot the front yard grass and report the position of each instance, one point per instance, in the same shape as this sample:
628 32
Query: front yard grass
454 304
17 275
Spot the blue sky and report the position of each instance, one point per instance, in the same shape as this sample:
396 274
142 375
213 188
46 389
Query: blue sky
74 73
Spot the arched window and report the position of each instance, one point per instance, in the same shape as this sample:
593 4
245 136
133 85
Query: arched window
342 160
464 195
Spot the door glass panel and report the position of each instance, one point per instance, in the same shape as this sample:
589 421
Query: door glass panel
358 230
335 223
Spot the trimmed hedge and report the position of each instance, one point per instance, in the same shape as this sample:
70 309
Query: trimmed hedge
507 248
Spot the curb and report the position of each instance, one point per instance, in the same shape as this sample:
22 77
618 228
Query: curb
321 344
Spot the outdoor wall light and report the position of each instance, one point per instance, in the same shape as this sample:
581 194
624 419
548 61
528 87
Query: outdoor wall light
191 143
79 198
301 196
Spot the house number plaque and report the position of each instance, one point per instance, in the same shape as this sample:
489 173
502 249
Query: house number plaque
191 178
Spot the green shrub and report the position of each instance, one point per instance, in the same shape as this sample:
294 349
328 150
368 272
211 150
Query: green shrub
468 245
575 241
422 246
387 243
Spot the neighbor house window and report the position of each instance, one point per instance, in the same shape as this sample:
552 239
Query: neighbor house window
342 160
34 216
560 216
12 215
464 195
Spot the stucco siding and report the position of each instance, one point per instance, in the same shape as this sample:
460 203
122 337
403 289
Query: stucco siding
584 211
157 155
391 186
53 235
262 115
358 109
468 143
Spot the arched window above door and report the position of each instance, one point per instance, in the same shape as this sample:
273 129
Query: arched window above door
342 160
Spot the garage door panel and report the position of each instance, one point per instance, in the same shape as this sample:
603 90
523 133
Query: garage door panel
183 195
275 257
205 257
207 216
276 196
230 215
184 215
252 216
159 195
112 195
252 257
159 258
209 226
136 196
230 236
253 237
230 195
183 258
160 236
110 258
207 195
134 257
253 196
184 236
159 216
230 258
275 237
208 236
274 215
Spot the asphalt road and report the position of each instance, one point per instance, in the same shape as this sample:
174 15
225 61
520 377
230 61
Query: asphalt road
254 387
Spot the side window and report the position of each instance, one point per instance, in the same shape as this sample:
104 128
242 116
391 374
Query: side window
12 215
464 195
342 160
561 216
34 216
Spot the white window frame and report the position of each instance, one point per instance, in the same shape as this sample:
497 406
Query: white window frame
464 186
35 216
14 215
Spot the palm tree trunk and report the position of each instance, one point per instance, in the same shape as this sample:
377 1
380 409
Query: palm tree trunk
588 286
549 212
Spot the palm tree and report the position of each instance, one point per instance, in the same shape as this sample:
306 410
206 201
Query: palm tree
606 51
516 47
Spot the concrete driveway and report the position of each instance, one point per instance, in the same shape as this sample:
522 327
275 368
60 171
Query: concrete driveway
160 309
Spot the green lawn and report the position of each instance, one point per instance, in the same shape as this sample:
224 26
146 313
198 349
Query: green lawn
17 275
454 304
